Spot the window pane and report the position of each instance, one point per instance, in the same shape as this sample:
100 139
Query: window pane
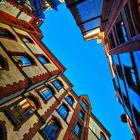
26 39
21 111
42 59
81 115
103 137
51 130
57 85
77 129
84 105
137 61
46 93
121 31
69 100
22 60
63 111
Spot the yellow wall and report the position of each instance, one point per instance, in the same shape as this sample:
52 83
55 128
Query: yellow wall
14 11
95 127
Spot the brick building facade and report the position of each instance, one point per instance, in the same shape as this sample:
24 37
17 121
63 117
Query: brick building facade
36 99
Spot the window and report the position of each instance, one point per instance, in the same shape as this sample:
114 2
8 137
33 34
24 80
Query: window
126 102
84 105
2 63
121 32
57 84
6 34
46 93
43 59
136 115
103 136
111 41
130 76
26 39
77 129
20 111
23 60
130 23
81 115
51 130
69 99
119 71
63 111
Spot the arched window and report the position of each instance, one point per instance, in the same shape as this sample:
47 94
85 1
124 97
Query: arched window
81 115
78 129
63 111
2 63
84 105
6 34
69 99
52 129
103 137
46 93
33 102
20 111
57 84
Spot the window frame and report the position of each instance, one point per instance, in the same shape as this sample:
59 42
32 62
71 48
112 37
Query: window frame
85 107
30 60
72 101
43 57
60 109
25 38
83 115
121 30
12 116
80 129
55 121
102 135
7 32
56 85
52 92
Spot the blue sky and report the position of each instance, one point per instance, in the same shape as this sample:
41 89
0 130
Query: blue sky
87 68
